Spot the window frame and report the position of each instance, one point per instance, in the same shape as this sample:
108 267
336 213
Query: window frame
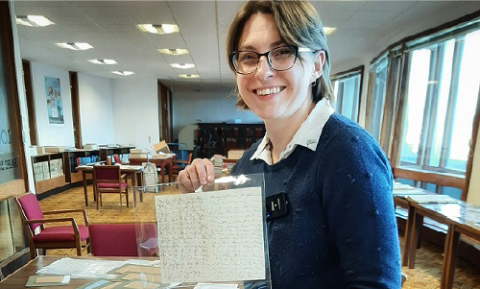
356 71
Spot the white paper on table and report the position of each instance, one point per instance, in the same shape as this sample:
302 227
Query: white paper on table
211 236
82 268
215 286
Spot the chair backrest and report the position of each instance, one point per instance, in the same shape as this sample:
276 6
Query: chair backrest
30 208
123 239
189 158
106 174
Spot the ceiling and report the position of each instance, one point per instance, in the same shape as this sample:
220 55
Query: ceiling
364 29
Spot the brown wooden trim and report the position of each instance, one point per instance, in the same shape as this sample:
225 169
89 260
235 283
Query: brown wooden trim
440 179
362 71
428 32
401 109
27 80
370 101
471 151
77 126
8 59
346 73
170 122
165 112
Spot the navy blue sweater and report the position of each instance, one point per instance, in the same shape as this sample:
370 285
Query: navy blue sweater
340 231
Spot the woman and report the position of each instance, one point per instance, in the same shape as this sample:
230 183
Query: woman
340 231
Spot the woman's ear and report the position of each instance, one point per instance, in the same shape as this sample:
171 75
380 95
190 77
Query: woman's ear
319 61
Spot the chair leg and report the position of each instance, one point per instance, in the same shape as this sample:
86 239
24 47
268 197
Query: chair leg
121 205
98 199
126 194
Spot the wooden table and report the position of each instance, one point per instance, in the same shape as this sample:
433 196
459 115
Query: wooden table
129 170
461 218
18 279
163 163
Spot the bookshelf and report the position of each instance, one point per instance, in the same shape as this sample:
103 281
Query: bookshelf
78 157
219 138
122 152
49 171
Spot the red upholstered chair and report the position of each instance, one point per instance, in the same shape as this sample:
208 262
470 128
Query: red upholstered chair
45 237
126 239
108 179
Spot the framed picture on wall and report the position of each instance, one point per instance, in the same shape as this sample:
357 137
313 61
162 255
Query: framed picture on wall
54 100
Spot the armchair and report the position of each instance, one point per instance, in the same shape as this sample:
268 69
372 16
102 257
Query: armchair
108 179
51 237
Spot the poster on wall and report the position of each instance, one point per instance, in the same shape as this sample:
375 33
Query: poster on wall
54 100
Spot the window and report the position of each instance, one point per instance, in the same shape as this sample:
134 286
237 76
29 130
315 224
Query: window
347 89
376 101
443 86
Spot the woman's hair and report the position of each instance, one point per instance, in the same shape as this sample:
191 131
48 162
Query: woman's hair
298 24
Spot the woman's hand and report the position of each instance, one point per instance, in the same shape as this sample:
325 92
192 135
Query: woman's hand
199 173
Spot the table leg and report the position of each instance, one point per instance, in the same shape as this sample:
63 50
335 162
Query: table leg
139 183
417 226
163 172
170 172
452 242
134 180
84 177
408 234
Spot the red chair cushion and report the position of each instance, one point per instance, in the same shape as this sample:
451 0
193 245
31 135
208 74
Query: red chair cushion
111 185
31 209
60 234
121 239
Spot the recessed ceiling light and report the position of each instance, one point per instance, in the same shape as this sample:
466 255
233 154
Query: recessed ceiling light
123 73
183 65
329 30
189 75
177 51
33 21
159 28
75 46
103 61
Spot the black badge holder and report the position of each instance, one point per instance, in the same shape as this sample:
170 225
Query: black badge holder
277 206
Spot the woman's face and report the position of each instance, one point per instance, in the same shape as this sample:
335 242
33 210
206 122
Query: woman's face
271 94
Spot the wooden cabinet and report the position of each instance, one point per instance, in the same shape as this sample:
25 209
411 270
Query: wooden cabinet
219 138
122 152
49 171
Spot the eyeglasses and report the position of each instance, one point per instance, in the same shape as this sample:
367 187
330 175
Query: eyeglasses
279 59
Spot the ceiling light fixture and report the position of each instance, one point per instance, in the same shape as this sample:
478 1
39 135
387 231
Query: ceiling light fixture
189 75
103 61
123 73
75 46
159 28
33 21
177 51
183 65
329 30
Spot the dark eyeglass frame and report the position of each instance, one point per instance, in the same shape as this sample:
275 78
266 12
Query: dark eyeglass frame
267 55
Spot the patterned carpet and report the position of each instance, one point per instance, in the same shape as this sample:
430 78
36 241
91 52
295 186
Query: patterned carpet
425 275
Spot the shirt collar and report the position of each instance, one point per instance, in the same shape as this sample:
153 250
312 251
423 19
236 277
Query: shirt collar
307 135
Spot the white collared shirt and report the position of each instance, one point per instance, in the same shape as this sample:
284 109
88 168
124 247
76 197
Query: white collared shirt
307 135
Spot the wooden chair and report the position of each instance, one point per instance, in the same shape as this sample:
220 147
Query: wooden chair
124 239
181 164
51 237
108 179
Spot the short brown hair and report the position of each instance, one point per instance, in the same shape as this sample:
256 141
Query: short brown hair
298 24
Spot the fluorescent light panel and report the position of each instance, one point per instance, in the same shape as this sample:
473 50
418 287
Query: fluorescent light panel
329 30
189 75
159 28
75 46
123 73
183 65
170 51
33 21
103 61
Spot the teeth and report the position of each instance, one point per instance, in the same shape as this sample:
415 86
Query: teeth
266 91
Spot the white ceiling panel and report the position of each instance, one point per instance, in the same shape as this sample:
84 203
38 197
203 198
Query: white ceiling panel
365 28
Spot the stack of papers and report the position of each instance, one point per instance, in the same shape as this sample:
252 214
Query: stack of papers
433 199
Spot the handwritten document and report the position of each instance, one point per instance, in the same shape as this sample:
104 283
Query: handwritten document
211 236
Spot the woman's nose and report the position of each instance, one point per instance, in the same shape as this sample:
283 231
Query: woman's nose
264 71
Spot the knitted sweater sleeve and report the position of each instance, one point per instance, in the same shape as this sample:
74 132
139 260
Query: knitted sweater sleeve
356 183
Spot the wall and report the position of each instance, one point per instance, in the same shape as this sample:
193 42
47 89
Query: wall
135 112
209 105
52 134
96 109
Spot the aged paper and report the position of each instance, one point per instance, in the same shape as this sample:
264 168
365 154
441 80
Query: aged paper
211 236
